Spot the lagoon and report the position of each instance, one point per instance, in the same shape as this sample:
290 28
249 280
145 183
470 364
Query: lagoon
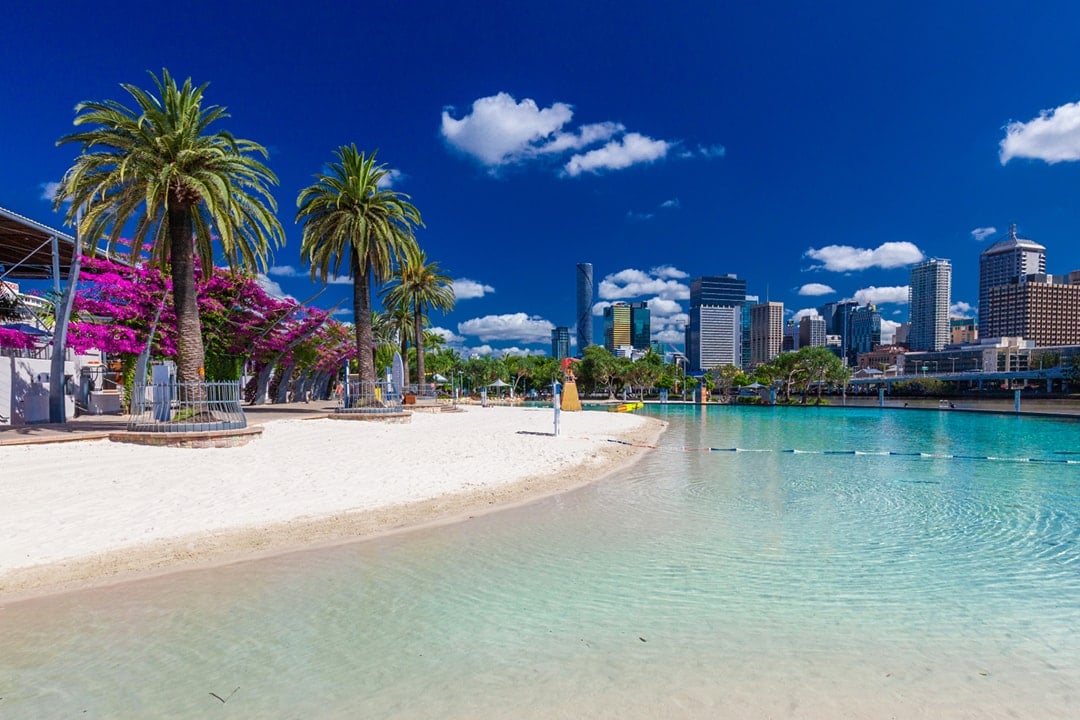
759 562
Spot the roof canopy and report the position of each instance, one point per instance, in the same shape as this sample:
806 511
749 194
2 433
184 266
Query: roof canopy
26 248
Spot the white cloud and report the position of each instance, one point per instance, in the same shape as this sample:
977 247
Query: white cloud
667 271
482 350
805 312
844 258
342 312
290 271
391 178
639 217
981 233
961 309
1053 137
466 289
49 190
670 204
712 151
632 283
888 331
271 288
449 336
671 336
878 295
633 148
663 307
814 289
585 136
514 326
598 308
520 352
501 130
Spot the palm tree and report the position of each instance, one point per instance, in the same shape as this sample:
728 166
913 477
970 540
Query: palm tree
159 166
418 286
398 321
347 215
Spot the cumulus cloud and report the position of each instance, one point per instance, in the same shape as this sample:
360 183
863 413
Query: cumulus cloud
631 283
961 309
448 335
672 204
342 312
631 149
271 288
878 295
1052 137
501 130
598 308
391 178
49 190
513 326
981 233
814 289
466 289
888 331
805 312
671 336
290 271
844 258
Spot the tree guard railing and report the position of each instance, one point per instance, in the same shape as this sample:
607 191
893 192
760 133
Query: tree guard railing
186 407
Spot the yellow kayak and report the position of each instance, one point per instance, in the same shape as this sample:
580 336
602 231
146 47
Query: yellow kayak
626 407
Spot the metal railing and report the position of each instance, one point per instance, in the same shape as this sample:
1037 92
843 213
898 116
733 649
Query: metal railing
186 407
377 397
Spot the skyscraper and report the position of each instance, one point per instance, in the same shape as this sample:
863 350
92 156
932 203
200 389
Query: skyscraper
812 331
584 306
1035 307
766 331
1002 263
627 326
616 326
715 327
865 325
928 304
560 342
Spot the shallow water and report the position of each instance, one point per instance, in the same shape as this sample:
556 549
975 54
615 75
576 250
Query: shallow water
790 578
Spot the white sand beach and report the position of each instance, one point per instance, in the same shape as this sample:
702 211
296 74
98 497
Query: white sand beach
84 513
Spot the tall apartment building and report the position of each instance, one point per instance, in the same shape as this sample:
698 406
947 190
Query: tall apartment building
714 331
1040 308
560 342
837 316
627 326
766 331
865 326
928 304
1002 263
584 298
812 331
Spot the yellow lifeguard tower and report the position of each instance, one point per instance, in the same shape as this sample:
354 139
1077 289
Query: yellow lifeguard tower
570 400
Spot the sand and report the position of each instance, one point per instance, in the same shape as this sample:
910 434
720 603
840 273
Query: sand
96 512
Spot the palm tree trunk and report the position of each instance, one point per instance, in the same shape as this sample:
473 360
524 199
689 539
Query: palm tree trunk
404 359
189 343
418 343
365 359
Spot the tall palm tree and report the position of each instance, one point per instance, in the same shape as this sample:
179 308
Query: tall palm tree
419 286
158 165
348 216
399 321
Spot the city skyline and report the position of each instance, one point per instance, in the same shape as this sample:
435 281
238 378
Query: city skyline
816 152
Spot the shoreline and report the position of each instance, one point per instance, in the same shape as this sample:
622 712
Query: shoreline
475 478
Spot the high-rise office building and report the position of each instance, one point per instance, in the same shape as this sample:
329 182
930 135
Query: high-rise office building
714 331
640 326
865 325
766 331
627 326
616 326
812 331
837 316
584 297
1034 307
1002 263
928 304
560 342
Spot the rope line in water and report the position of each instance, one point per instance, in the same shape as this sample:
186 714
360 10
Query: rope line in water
883 453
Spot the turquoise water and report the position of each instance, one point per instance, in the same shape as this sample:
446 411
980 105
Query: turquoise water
791 578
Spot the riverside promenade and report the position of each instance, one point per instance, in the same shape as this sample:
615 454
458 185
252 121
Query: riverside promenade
98 427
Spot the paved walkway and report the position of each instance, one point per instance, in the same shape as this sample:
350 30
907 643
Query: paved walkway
98 427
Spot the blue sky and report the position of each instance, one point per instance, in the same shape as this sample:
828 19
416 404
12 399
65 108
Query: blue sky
814 149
